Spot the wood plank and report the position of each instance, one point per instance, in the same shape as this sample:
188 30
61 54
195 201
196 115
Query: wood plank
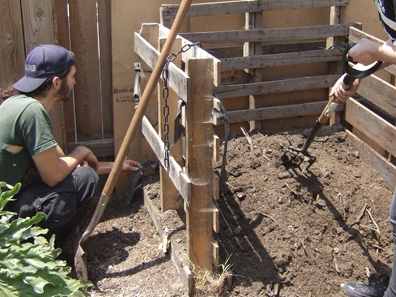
373 125
84 43
278 35
63 37
253 20
379 92
169 195
276 112
178 80
199 154
104 23
196 52
355 35
40 27
279 86
12 51
239 7
374 159
293 58
175 171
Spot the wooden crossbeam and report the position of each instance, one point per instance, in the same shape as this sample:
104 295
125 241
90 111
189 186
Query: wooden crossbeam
179 81
385 168
293 58
275 112
379 92
279 86
239 7
374 127
175 171
278 35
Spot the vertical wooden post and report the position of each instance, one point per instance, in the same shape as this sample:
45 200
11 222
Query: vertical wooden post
336 17
253 20
170 198
199 152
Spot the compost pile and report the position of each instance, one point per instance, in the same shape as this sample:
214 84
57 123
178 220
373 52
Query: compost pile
293 234
284 233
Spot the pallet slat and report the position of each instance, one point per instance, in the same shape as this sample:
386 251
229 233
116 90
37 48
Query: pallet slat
279 86
380 93
238 7
179 81
374 126
385 168
293 58
276 112
175 171
278 35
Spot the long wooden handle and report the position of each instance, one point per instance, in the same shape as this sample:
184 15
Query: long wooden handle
137 117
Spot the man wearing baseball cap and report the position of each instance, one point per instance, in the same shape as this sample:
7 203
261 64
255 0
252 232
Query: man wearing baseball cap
59 185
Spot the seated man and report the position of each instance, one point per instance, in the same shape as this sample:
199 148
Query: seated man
57 184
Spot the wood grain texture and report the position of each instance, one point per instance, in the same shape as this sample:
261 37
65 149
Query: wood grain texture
84 43
12 52
372 125
39 23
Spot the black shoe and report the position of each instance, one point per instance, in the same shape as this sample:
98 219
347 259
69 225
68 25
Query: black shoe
364 290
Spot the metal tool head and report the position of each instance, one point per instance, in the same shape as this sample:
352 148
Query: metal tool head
294 157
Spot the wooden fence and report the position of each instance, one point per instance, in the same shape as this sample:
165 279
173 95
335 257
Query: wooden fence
272 73
84 27
370 119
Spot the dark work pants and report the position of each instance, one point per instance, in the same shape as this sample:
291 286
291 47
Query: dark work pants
66 204
391 291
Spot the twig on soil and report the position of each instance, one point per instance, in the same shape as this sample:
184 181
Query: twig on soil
249 139
374 222
270 217
361 214
294 192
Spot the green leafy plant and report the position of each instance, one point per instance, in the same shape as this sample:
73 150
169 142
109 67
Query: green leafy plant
28 264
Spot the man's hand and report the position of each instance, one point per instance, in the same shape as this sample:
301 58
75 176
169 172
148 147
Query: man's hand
340 93
365 52
131 165
92 161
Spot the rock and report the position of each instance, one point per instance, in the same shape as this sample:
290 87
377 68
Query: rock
284 175
356 154
241 196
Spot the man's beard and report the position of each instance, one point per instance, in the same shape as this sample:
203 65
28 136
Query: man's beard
65 93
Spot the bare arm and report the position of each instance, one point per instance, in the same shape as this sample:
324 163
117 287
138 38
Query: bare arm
53 165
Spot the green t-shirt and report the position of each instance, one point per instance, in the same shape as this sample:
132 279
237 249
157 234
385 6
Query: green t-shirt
25 130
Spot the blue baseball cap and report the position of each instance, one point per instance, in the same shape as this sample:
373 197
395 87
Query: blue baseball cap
42 63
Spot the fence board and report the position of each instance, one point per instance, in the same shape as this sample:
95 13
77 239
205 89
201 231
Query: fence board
279 86
374 126
12 53
84 42
385 168
104 20
276 112
293 58
239 7
278 35
380 93
39 26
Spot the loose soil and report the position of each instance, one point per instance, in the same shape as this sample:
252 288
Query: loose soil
284 233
